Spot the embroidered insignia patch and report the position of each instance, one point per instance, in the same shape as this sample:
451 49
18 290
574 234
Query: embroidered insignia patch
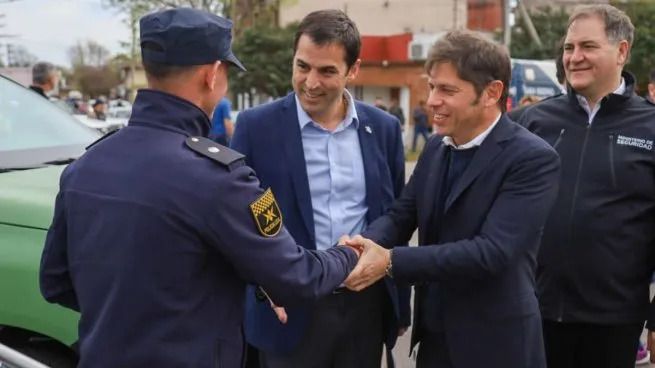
267 214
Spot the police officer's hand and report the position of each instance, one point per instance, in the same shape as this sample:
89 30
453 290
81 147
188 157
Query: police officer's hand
281 313
372 263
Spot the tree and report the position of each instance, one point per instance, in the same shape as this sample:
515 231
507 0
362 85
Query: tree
267 52
212 6
18 56
244 13
90 53
551 25
642 57
95 81
92 73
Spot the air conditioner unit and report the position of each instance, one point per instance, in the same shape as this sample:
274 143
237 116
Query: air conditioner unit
418 50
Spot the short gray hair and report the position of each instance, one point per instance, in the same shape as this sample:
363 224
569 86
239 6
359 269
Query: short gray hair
42 72
618 26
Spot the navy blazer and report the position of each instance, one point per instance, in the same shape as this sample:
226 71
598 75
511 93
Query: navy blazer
482 259
269 135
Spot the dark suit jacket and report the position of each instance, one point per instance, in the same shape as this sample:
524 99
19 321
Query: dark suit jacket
483 258
270 137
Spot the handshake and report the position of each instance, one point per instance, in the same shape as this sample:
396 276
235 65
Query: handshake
373 264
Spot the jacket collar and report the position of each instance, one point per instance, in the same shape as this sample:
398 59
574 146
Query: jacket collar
611 100
38 90
166 111
482 159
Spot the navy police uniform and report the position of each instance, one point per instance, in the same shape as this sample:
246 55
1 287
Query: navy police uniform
157 230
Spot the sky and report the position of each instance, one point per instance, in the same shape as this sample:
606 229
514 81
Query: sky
47 28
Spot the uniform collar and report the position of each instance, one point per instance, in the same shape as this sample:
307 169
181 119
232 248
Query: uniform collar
167 111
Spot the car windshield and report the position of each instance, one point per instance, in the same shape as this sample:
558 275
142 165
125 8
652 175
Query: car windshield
35 132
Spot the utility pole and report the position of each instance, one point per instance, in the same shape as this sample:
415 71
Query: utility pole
507 22
529 25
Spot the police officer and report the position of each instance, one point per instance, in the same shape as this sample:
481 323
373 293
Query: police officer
156 230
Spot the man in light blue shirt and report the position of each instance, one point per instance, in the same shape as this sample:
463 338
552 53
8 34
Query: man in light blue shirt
336 175
334 164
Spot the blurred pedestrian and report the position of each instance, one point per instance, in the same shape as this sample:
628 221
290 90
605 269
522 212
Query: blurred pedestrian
651 87
99 109
421 124
397 111
45 78
222 126
379 103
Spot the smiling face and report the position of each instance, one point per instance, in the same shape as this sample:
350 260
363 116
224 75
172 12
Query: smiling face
592 62
457 110
320 75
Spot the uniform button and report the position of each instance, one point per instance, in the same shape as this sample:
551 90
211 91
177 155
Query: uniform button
194 139
213 149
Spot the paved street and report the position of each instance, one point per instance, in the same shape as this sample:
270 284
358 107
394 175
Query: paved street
401 350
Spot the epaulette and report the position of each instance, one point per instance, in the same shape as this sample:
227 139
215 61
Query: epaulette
101 139
221 154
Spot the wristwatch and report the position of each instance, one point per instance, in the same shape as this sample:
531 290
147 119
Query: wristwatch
389 269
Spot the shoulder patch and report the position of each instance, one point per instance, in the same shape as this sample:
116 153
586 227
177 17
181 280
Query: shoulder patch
267 214
101 139
215 151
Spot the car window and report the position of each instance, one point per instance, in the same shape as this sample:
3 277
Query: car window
36 128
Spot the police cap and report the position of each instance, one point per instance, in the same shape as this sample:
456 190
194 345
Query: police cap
186 36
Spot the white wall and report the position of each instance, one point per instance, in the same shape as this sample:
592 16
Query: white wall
386 17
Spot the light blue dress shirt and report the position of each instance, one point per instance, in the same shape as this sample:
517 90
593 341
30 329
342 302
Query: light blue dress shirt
335 170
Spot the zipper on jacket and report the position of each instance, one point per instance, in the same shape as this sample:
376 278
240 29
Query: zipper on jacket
574 200
576 187
559 138
611 151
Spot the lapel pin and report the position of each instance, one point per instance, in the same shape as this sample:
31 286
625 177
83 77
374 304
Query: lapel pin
368 129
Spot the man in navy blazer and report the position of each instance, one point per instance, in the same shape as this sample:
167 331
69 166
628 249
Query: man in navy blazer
335 165
479 195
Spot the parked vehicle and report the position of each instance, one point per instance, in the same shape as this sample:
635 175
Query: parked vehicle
533 77
11 358
37 140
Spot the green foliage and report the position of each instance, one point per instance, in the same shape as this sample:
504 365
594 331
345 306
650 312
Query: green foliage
642 59
214 6
550 24
267 52
95 80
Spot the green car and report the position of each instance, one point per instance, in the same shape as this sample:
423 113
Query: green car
37 140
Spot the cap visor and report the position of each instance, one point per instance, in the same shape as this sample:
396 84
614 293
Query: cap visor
233 59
